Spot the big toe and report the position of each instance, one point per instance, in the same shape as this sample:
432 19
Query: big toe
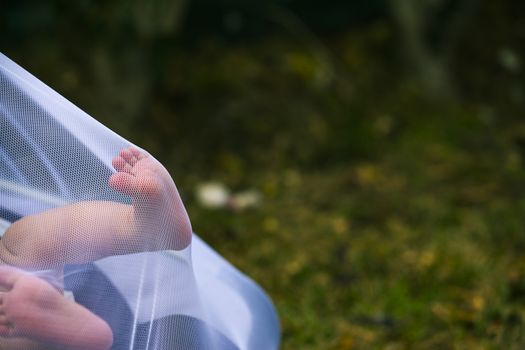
122 182
141 187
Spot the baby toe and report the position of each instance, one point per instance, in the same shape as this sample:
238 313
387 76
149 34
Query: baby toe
128 156
137 153
119 163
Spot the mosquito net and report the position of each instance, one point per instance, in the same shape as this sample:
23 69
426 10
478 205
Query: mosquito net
97 250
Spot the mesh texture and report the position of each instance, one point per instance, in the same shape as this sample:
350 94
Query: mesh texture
97 250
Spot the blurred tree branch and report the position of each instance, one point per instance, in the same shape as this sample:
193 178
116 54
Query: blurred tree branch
156 17
430 61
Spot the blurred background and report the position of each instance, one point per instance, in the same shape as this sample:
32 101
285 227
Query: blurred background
362 160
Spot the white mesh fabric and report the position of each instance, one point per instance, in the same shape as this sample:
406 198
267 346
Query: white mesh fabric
119 243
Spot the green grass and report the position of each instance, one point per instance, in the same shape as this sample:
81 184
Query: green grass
419 248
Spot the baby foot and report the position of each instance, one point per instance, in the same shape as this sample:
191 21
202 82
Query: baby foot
159 213
31 308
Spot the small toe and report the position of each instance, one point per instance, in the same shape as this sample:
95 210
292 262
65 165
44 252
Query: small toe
137 153
6 327
128 156
8 277
119 163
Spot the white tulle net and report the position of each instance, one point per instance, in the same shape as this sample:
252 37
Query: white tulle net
116 247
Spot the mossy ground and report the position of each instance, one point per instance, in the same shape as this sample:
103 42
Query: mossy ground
420 248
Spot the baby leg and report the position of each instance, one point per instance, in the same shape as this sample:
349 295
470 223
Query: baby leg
89 230
31 308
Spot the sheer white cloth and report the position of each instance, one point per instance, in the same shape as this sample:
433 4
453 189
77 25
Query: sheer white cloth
51 154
